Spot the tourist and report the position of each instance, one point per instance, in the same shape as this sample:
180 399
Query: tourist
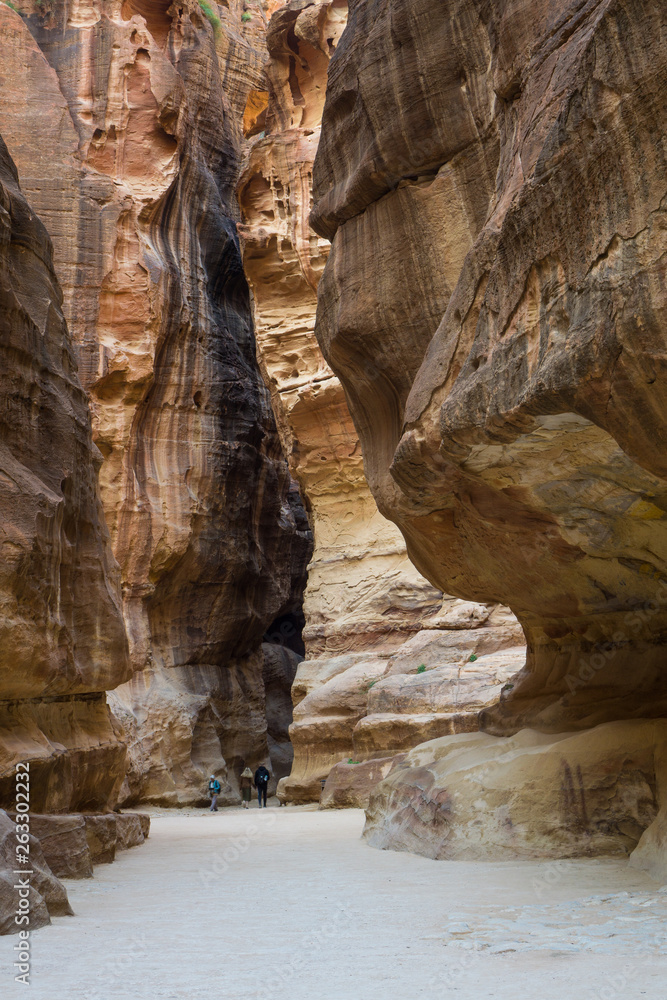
213 791
261 784
245 785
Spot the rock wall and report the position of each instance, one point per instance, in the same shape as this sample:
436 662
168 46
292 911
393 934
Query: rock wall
492 178
124 120
62 639
364 598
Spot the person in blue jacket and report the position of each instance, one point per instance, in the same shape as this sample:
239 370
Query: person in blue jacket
213 791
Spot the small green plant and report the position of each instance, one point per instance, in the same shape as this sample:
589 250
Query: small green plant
506 687
245 17
421 668
371 685
15 9
211 15
472 658
350 761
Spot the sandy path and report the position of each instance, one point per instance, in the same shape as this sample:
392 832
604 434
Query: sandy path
289 904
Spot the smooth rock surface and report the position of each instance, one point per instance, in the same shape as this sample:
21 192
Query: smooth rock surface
476 796
62 638
493 179
124 120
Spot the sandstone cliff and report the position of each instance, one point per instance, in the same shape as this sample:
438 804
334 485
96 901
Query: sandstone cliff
364 598
124 121
62 640
492 176
363 595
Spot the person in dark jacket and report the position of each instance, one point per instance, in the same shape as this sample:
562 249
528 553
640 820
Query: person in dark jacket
261 784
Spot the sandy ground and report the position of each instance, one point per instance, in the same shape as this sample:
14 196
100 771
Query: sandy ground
289 904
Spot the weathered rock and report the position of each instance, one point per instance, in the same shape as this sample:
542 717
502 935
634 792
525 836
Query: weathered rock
362 590
492 176
113 832
349 785
187 723
499 369
48 896
324 720
362 593
535 795
101 838
124 121
131 830
280 666
64 843
62 640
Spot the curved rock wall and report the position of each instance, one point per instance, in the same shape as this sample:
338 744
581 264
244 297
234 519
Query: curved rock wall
364 598
131 159
62 639
492 176
519 445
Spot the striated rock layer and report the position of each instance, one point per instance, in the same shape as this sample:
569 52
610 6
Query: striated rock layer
364 598
62 639
47 896
124 119
492 176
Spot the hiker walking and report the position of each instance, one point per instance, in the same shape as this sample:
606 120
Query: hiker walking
261 784
213 791
245 784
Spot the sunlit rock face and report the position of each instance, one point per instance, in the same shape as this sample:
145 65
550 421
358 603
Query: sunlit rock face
492 176
62 640
124 119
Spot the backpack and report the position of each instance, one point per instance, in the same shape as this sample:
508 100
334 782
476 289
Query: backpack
214 786
262 776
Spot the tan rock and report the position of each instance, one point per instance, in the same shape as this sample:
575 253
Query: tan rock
325 718
476 796
495 198
349 785
131 830
62 639
124 120
101 837
363 593
64 843
48 896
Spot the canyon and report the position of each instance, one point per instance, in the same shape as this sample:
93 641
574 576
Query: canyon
494 305
332 422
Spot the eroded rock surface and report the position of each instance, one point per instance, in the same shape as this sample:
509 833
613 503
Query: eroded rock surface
124 119
47 898
492 176
62 639
596 792
504 369
364 598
